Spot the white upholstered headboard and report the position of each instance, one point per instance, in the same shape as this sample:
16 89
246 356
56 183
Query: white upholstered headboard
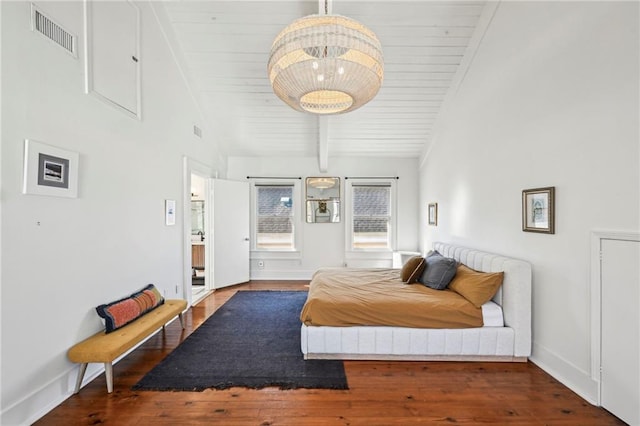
515 294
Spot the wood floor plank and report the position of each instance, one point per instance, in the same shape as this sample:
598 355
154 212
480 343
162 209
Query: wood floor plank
380 393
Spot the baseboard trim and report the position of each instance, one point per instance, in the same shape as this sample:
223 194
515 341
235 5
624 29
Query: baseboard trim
576 379
52 394
47 397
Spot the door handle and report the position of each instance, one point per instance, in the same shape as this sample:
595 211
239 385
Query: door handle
246 238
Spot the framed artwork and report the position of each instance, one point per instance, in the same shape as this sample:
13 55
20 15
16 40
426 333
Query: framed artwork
538 210
170 212
433 214
49 170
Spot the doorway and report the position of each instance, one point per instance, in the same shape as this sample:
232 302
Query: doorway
199 234
197 239
616 322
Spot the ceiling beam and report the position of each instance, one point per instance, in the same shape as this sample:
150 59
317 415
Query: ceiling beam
323 143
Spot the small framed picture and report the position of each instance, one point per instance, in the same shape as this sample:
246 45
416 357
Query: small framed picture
538 210
433 214
170 212
49 170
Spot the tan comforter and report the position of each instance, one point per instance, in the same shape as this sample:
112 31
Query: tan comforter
348 297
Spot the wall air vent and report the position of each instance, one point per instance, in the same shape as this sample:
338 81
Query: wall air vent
197 131
44 25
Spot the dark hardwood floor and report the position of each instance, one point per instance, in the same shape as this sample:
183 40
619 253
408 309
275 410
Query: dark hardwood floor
381 393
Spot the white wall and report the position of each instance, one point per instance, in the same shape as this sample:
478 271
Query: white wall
551 99
62 257
324 243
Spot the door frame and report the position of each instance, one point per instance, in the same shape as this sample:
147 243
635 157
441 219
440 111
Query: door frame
596 298
191 166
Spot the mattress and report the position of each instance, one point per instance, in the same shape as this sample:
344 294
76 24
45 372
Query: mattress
492 315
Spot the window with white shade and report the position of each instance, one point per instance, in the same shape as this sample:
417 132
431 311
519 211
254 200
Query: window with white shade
371 215
275 212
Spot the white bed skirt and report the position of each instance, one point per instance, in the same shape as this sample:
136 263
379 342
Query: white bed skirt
509 343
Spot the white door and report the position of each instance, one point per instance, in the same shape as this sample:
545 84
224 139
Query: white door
230 232
620 347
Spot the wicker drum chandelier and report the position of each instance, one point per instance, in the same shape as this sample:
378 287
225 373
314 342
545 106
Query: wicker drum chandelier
326 64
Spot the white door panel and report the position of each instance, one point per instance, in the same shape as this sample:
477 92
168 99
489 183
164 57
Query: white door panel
620 347
230 232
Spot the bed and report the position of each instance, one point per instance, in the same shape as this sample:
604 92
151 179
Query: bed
506 337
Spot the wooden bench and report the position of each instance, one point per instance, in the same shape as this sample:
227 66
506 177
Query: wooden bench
105 348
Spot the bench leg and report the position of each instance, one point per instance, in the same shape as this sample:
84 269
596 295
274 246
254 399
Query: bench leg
181 320
81 371
108 372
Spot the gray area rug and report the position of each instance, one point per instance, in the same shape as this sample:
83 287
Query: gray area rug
252 341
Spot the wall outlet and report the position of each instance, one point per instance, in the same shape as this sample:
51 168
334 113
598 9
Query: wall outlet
261 264
177 289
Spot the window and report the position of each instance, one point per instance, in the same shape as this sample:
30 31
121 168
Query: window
274 220
371 210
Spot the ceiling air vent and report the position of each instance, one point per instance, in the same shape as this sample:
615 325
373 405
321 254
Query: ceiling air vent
47 27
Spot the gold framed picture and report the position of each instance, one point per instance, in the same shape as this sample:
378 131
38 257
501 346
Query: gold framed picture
538 210
433 214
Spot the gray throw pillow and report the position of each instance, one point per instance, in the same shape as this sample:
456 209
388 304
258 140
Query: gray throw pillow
439 272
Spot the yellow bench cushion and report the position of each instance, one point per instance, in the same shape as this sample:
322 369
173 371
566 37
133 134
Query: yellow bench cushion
103 347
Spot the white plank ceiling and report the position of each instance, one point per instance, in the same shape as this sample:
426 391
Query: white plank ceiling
226 44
